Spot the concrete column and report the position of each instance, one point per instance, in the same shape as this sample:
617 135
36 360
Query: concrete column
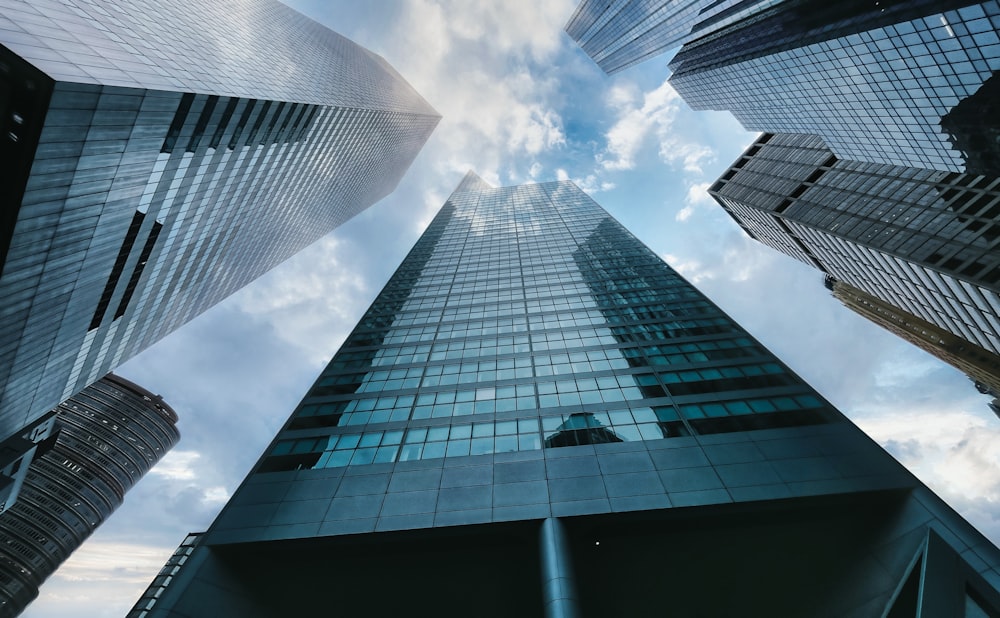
558 587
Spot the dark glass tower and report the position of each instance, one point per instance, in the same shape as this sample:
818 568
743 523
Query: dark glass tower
908 83
159 156
537 416
619 34
922 241
899 83
109 435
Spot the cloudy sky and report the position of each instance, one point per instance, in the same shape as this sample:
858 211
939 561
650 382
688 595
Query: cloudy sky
520 103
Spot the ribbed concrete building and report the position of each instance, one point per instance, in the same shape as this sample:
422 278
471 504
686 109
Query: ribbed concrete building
158 157
109 436
538 417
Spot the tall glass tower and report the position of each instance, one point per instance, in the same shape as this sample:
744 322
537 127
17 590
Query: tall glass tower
903 83
159 156
538 416
619 34
924 241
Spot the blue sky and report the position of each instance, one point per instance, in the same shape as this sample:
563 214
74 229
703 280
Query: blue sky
520 103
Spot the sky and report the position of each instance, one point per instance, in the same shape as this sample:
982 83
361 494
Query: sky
520 102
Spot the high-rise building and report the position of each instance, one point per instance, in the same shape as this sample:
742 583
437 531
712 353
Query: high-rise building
159 156
902 83
982 366
538 416
899 83
619 34
108 436
921 241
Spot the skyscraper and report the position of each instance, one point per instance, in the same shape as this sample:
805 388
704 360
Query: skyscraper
160 156
982 366
537 416
622 33
899 83
902 83
922 241
110 434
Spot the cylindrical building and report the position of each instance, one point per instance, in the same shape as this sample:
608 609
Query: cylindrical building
110 434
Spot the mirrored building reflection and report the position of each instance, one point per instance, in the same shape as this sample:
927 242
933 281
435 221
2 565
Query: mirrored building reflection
536 410
159 157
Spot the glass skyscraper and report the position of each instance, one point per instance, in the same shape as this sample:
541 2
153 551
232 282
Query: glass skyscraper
159 156
899 83
538 416
902 83
622 33
109 435
923 241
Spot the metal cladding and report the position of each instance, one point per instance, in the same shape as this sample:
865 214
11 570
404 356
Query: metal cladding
164 157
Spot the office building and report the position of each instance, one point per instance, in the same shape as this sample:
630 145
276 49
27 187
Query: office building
108 436
924 242
159 156
898 83
622 33
982 366
538 416
905 83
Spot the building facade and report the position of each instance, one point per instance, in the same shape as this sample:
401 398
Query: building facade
538 416
164 156
982 366
922 241
109 435
909 83
622 33
901 83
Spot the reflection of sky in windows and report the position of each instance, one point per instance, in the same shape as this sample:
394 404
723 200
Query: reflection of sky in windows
921 240
880 95
527 318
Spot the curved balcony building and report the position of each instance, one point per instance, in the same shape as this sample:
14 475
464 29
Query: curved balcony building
110 434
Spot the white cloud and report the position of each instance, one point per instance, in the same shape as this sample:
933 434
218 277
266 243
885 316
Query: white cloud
691 156
104 580
956 452
218 494
473 62
684 213
736 260
697 195
308 299
127 562
645 115
177 465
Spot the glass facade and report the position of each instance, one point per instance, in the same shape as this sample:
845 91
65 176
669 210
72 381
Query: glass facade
527 318
905 84
540 416
921 240
175 154
109 436
623 33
